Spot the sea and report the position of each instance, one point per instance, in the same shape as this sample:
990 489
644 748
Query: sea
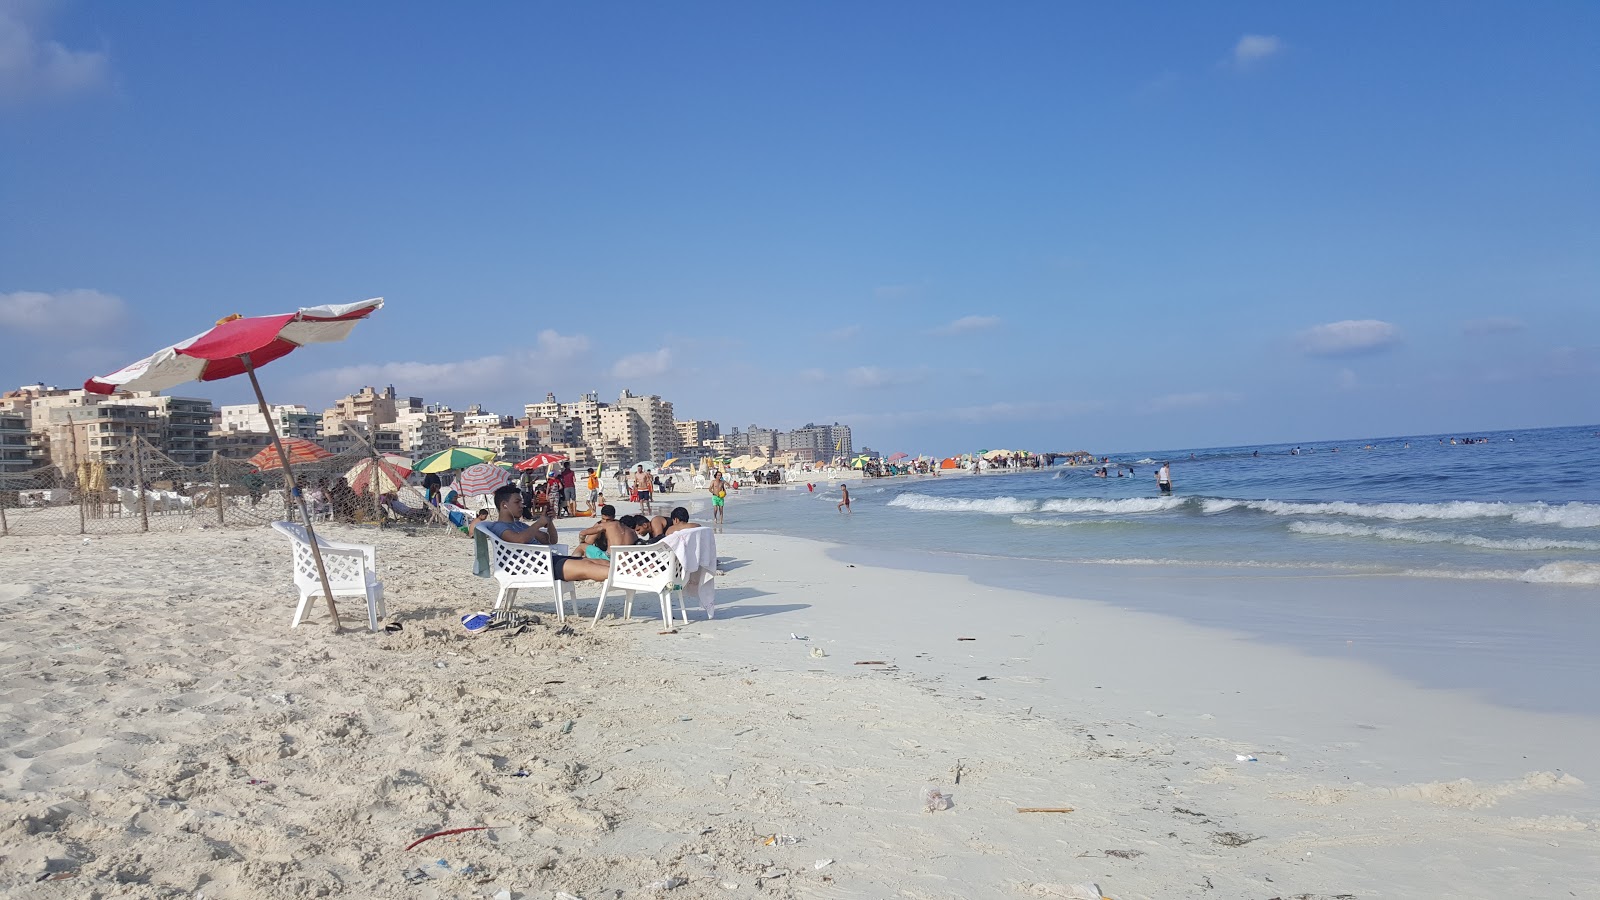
1465 561
1504 505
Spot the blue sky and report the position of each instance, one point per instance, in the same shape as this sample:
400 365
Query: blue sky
948 225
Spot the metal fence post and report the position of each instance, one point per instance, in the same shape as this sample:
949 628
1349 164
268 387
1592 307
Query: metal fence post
216 484
4 529
138 476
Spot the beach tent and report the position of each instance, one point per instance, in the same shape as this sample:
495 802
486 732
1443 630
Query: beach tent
949 462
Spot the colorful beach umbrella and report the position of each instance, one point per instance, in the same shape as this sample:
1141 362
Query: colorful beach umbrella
380 476
898 456
237 345
453 458
539 461
297 450
482 478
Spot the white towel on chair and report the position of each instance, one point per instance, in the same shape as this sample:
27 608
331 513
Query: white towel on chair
696 549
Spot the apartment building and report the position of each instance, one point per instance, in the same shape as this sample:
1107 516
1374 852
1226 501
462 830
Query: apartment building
183 430
693 434
661 433
586 409
292 421
817 441
624 437
14 442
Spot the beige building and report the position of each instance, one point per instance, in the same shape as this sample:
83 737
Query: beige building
661 433
291 421
184 424
623 432
586 409
694 433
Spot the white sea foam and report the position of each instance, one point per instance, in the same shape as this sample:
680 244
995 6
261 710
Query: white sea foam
1567 515
1212 505
1126 505
1420 536
1563 572
995 505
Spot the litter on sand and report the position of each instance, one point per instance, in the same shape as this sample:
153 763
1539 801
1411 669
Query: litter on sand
1243 758
872 662
935 799
966 639
798 637
428 837
1045 809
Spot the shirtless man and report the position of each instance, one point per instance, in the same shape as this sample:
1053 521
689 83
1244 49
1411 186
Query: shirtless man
845 503
642 483
680 521
617 534
719 497
648 529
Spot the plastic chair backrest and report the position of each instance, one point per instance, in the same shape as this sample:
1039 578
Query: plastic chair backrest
525 563
344 570
648 566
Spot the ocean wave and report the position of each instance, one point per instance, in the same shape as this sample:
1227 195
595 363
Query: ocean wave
1567 515
1126 505
1564 572
1417 536
996 505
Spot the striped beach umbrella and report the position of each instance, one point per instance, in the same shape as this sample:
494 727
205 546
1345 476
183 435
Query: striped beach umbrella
298 450
539 461
378 475
453 458
482 478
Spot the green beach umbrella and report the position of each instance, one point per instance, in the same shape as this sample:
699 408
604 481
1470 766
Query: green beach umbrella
453 458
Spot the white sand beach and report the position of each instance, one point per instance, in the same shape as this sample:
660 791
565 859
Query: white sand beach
165 733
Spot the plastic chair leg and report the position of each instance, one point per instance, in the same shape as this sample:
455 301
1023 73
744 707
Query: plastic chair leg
301 610
600 605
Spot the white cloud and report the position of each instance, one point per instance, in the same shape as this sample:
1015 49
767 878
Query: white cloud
1191 400
643 365
479 374
967 324
1253 48
874 377
1350 337
31 66
61 312
1492 325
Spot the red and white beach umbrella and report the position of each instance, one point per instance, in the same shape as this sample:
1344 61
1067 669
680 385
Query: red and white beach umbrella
482 478
538 462
234 345
237 345
299 450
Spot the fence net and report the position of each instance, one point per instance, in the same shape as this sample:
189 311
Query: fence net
105 497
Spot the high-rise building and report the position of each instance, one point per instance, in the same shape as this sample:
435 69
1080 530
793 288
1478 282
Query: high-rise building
694 433
586 409
292 421
825 441
624 437
661 435
14 443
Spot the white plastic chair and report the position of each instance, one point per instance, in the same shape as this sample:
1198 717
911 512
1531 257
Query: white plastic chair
652 568
352 572
518 566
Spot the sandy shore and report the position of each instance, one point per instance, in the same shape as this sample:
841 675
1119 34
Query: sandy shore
166 734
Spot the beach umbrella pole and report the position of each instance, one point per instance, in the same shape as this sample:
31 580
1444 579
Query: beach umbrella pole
294 490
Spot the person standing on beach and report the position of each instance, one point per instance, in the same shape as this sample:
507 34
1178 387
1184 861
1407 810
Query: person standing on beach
719 497
569 490
844 504
643 484
1164 478
594 490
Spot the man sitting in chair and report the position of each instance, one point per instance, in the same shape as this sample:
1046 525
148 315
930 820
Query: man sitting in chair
510 528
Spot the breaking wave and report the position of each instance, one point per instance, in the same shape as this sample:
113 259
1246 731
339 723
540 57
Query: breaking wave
1418 536
1564 515
995 505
